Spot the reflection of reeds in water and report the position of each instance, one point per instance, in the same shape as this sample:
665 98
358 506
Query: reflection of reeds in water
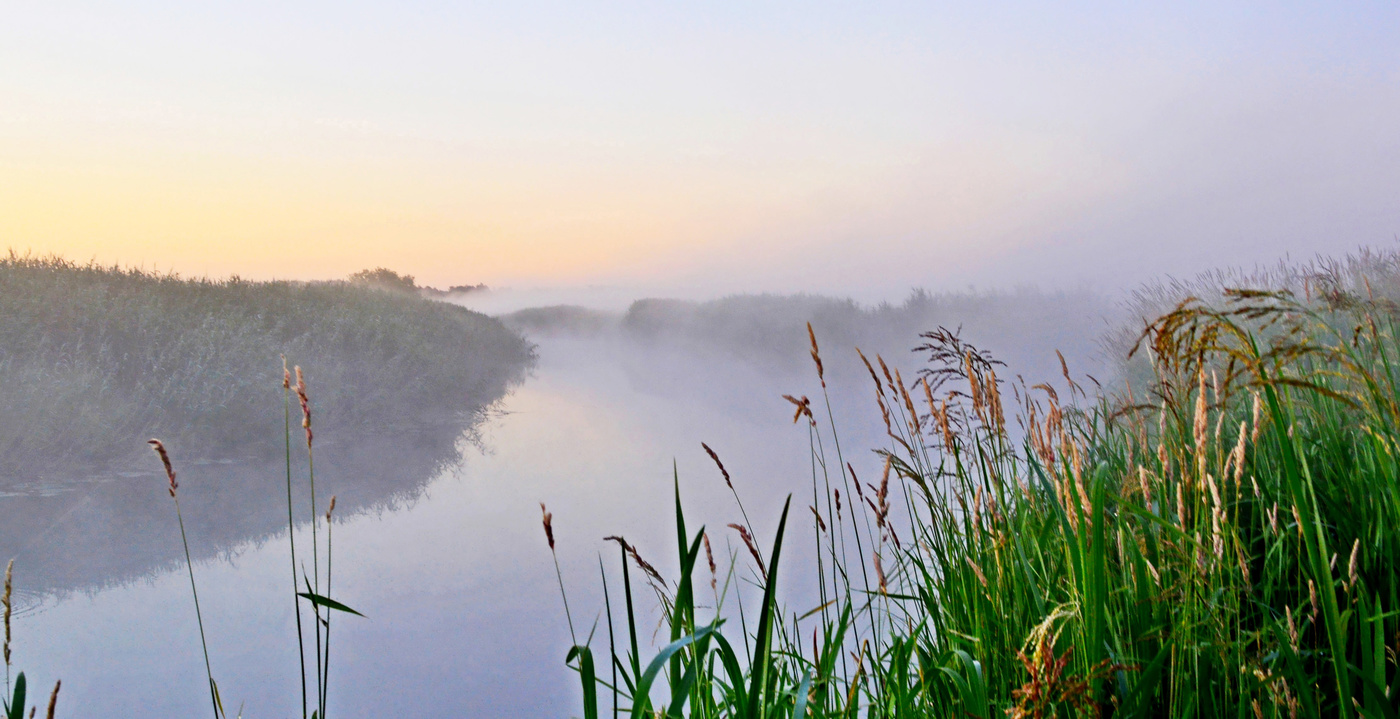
1228 546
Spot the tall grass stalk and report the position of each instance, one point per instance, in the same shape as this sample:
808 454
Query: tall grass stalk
291 525
189 563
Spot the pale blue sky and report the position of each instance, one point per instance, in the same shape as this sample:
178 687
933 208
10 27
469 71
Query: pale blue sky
700 147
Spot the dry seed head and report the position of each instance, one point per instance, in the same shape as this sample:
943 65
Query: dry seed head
821 524
710 557
816 355
837 492
1200 424
305 404
53 700
9 590
945 427
855 480
889 379
908 404
1312 599
1142 479
159 447
753 548
928 397
804 407
880 573
652 575
1353 573
1298 518
719 464
976 570
286 374
973 384
330 508
548 521
1292 627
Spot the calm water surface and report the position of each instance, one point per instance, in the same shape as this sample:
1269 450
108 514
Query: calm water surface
463 612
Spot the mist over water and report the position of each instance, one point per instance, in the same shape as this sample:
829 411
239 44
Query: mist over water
438 539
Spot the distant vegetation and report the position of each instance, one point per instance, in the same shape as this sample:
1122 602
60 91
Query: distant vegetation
96 359
391 281
767 331
1221 540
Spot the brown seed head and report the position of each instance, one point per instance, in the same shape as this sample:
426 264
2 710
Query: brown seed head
719 464
804 407
9 589
53 699
753 548
816 355
286 374
880 573
159 447
305 404
889 379
710 557
652 574
821 524
330 508
548 521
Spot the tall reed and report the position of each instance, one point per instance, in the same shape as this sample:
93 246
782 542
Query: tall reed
160 450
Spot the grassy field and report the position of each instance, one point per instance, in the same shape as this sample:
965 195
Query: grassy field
1218 538
96 359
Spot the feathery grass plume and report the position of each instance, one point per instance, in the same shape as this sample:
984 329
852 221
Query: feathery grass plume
159 448
816 355
880 572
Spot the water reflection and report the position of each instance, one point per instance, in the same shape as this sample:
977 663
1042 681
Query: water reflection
449 564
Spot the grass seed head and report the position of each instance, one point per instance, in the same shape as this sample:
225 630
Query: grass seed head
719 464
753 548
159 448
547 519
9 590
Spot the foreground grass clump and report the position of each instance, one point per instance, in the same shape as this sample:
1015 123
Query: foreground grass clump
1223 539
93 357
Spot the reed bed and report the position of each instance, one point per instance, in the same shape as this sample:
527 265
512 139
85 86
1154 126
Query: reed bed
1219 537
95 357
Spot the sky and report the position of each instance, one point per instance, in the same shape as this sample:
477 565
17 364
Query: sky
684 148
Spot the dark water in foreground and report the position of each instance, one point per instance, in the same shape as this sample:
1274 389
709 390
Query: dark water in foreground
449 565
